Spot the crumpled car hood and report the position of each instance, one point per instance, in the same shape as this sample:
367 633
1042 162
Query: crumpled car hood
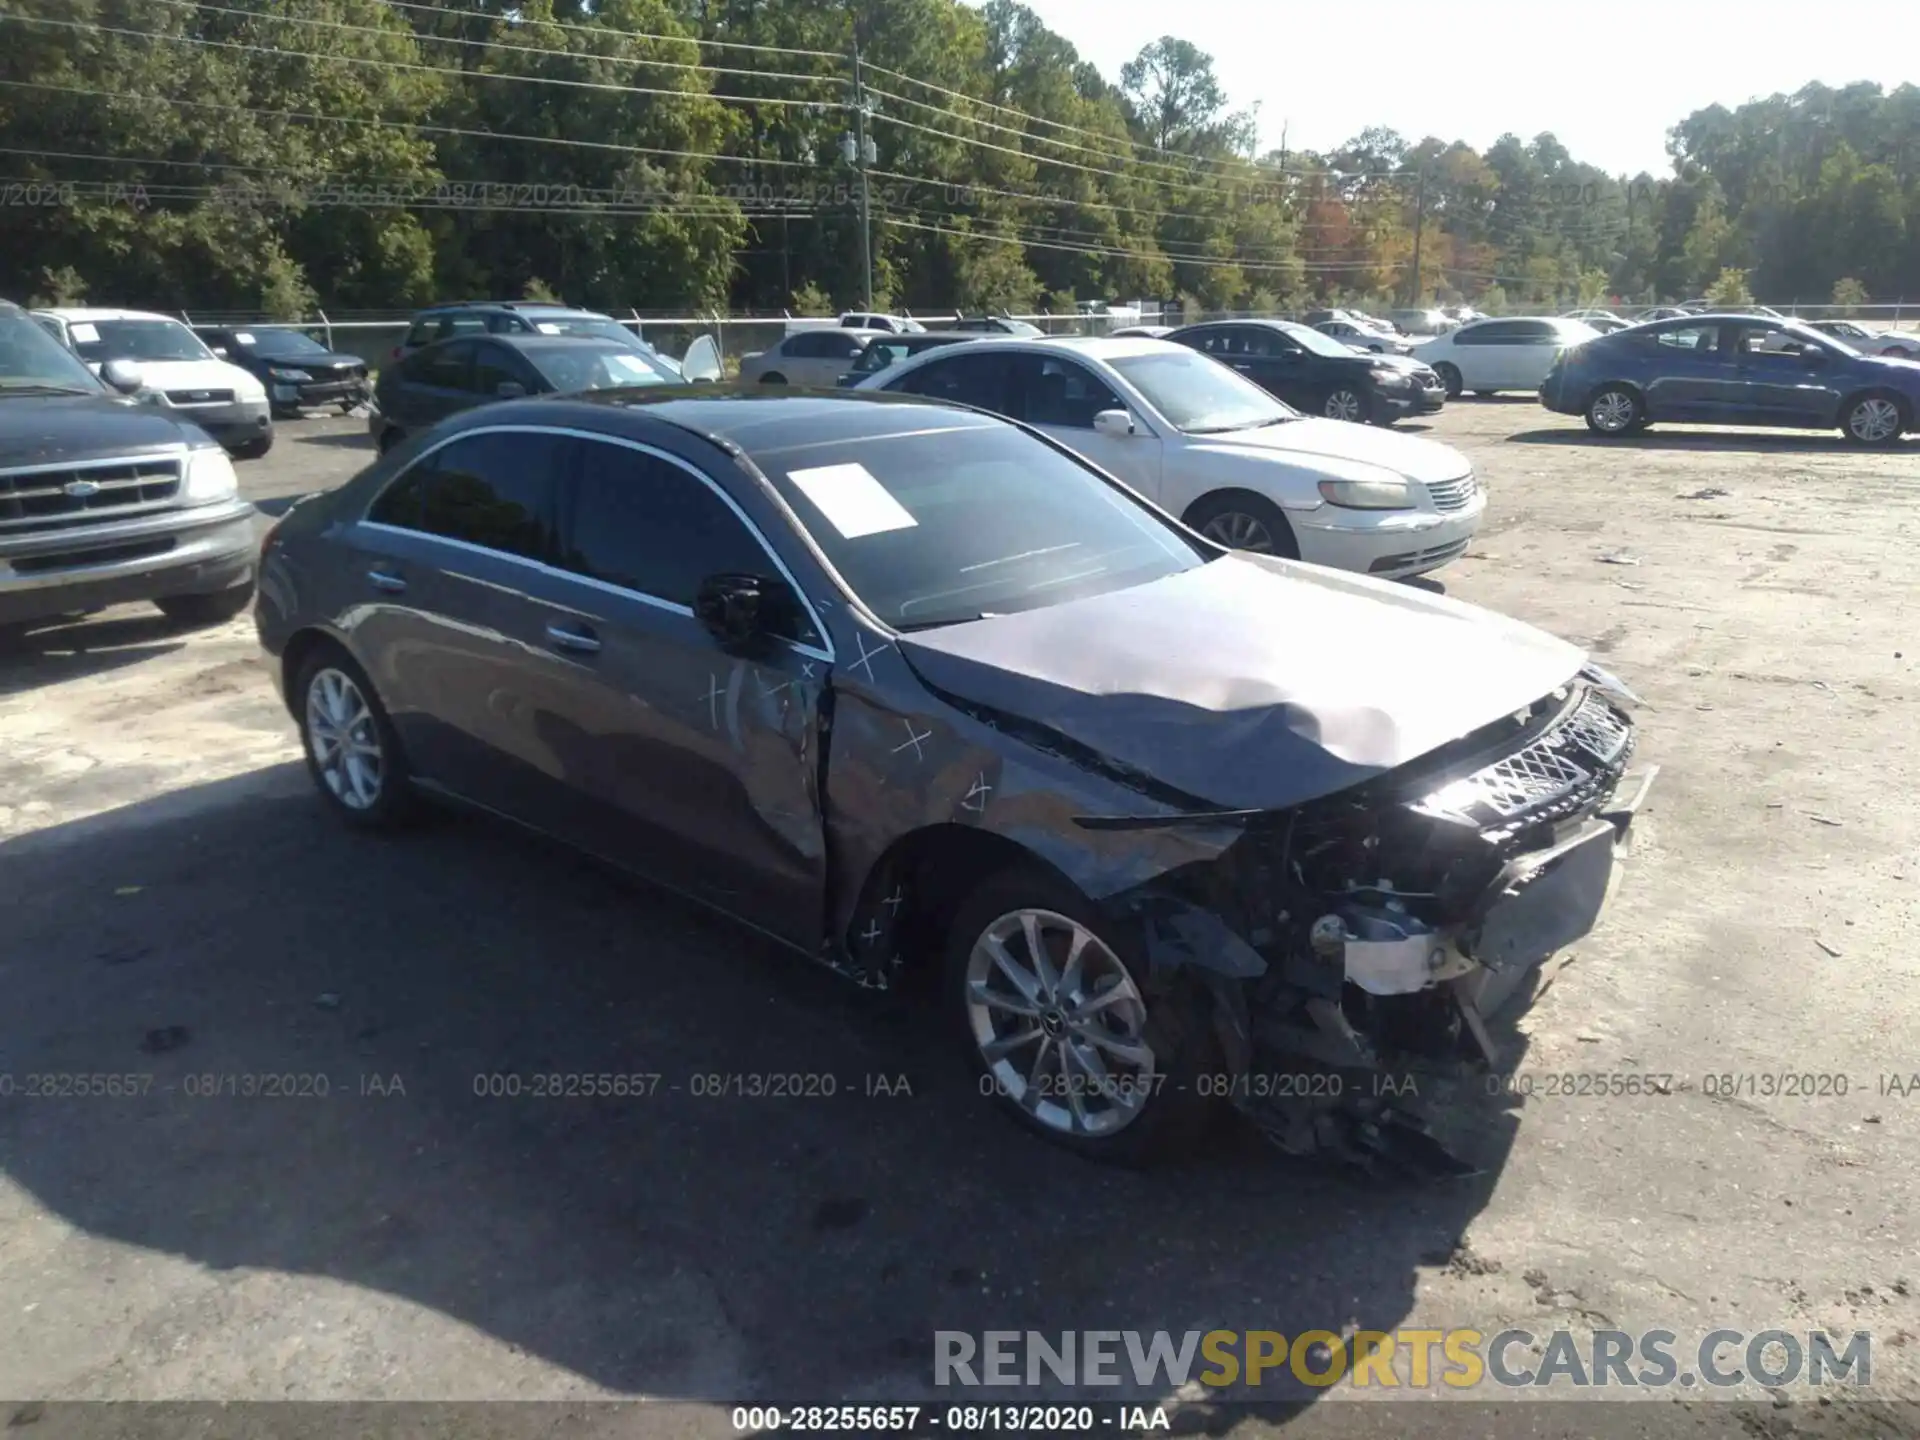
1407 456
1250 683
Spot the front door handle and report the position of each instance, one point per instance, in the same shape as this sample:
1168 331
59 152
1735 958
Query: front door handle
381 580
581 641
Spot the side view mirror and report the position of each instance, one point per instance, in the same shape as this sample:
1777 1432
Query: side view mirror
509 389
1116 423
739 609
122 375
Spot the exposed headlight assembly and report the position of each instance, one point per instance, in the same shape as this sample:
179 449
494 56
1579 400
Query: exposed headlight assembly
1368 494
210 476
1607 681
1387 375
293 375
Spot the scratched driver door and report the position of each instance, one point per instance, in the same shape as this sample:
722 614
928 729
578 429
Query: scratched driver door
678 759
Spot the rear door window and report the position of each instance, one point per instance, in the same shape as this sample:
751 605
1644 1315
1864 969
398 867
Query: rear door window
446 367
984 381
493 490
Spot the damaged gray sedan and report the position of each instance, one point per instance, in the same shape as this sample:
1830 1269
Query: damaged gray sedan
913 690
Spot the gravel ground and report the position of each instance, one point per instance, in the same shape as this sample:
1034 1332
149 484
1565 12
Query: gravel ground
177 906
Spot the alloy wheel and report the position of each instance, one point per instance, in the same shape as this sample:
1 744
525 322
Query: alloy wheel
1612 411
345 740
1874 419
1344 405
1059 1023
1238 530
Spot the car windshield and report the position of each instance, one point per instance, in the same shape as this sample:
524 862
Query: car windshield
285 344
1314 341
32 361
1199 395
98 340
601 327
940 527
1020 327
595 367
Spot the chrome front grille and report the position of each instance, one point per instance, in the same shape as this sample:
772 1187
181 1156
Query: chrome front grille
200 397
1453 494
68 495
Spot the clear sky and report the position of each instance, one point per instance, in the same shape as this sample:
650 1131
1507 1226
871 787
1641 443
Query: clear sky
1608 79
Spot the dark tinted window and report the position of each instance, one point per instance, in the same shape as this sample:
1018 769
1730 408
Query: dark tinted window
492 490
646 525
824 345
494 366
1062 392
1538 332
981 380
448 366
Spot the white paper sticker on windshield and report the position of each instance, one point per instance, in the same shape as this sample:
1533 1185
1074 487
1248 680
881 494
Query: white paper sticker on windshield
546 329
83 333
245 337
853 501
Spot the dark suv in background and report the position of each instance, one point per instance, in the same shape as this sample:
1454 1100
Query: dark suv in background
104 501
510 317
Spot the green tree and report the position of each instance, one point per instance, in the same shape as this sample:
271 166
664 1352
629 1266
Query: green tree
1849 292
1729 288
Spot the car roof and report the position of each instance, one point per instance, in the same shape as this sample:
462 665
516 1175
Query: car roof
518 307
743 417
85 314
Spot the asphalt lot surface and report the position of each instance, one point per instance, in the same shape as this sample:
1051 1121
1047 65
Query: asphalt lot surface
178 906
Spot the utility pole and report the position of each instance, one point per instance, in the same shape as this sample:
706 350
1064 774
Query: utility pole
861 152
1419 224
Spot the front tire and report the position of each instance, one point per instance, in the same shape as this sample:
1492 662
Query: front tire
1450 378
1614 410
352 750
1346 403
1064 1029
215 609
1241 520
774 378
1874 419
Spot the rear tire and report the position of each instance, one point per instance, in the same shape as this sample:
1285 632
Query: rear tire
353 752
775 378
1076 1044
1876 418
1451 379
215 609
1241 520
254 449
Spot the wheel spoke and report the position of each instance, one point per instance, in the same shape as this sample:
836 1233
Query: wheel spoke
1020 978
1130 1052
1069 989
1030 1097
1116 992
997 1050
1037 954
999 1000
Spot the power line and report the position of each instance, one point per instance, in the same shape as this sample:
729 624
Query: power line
603 146
597 85
1146 256
570 25
411 34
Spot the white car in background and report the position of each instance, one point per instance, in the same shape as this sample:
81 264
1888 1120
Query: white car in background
1489 356
1208 445
1365 338
177 371
875 320
1892 343
815 357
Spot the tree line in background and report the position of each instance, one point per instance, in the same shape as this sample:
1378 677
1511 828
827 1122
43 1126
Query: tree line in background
267 155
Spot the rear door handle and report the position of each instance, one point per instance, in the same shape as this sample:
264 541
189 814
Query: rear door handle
381 580
580 642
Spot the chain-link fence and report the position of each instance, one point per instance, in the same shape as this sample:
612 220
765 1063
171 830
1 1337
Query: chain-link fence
376 337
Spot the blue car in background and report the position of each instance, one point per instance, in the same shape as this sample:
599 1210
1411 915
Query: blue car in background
1734 370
